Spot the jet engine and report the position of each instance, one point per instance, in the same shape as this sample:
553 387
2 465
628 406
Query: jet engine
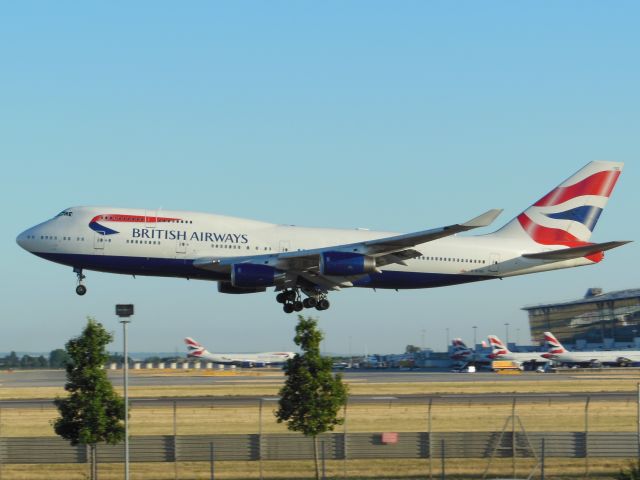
346 263
251 275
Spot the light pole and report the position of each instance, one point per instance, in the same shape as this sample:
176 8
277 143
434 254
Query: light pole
507 328
124 312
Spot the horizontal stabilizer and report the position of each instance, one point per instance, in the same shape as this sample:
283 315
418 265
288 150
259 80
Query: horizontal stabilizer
575 252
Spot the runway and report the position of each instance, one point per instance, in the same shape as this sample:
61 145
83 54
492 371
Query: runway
56 378
141 378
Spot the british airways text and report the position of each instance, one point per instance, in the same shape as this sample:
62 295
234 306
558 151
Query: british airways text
160 234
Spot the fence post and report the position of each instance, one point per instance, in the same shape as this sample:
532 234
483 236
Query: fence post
513 438
1 449
430 439
324 466
344 442
586 436
638 405
442 460
260 438
175 440
542 460
212 461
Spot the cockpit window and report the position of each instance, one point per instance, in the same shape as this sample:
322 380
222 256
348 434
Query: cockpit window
64 213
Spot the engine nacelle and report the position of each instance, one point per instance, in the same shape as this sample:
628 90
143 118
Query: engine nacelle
226 287
252 275
346 263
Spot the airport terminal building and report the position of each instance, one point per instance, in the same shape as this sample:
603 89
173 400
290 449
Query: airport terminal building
597 320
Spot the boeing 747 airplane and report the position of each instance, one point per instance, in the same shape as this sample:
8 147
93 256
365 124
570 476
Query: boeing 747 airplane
195 350
305 264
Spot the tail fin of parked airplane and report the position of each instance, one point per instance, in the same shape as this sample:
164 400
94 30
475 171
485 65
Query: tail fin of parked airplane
459 350
194 349
567 215
553 344
497 347
458 344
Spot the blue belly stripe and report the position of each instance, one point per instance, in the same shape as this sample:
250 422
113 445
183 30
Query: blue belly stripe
183 268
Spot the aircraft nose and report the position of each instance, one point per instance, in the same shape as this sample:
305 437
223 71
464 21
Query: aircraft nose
23 237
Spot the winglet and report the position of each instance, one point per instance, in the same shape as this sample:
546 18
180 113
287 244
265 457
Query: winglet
483 220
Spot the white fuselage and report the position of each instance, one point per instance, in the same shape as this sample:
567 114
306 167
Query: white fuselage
165 243
266 358
522 357
602 356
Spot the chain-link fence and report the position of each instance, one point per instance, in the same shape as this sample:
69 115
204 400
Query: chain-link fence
475 436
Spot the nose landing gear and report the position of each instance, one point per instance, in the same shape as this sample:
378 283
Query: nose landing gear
80 289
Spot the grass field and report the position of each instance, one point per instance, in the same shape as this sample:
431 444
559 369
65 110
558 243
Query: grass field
566 415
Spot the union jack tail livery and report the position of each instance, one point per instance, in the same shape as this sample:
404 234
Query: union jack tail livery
194 349
553 344
460 351
498 349
567 215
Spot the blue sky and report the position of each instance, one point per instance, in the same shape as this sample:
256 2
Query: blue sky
389 115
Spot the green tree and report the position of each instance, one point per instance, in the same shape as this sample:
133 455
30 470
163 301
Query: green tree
58 358
632 473
312 394
93 412
412 349
12 360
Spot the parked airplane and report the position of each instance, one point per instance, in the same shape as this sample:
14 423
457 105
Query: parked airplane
462 354
560 354
499 351
195 350
246 256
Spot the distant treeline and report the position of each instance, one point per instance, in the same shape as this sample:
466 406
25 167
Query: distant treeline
57 359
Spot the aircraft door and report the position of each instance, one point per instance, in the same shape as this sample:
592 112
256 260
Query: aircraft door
99 241
494 260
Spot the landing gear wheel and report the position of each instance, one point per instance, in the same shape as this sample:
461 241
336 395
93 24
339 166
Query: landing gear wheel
309 302
281 297
288 308
80 289
290 295
323 304
297 306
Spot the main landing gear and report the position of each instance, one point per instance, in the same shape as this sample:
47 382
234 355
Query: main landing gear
290 298
80 289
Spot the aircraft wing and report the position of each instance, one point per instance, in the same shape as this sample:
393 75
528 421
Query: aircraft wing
575 252
387 250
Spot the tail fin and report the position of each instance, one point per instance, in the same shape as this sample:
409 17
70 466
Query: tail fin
554 346
460 351
567 214
458 344
497 347
194 349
